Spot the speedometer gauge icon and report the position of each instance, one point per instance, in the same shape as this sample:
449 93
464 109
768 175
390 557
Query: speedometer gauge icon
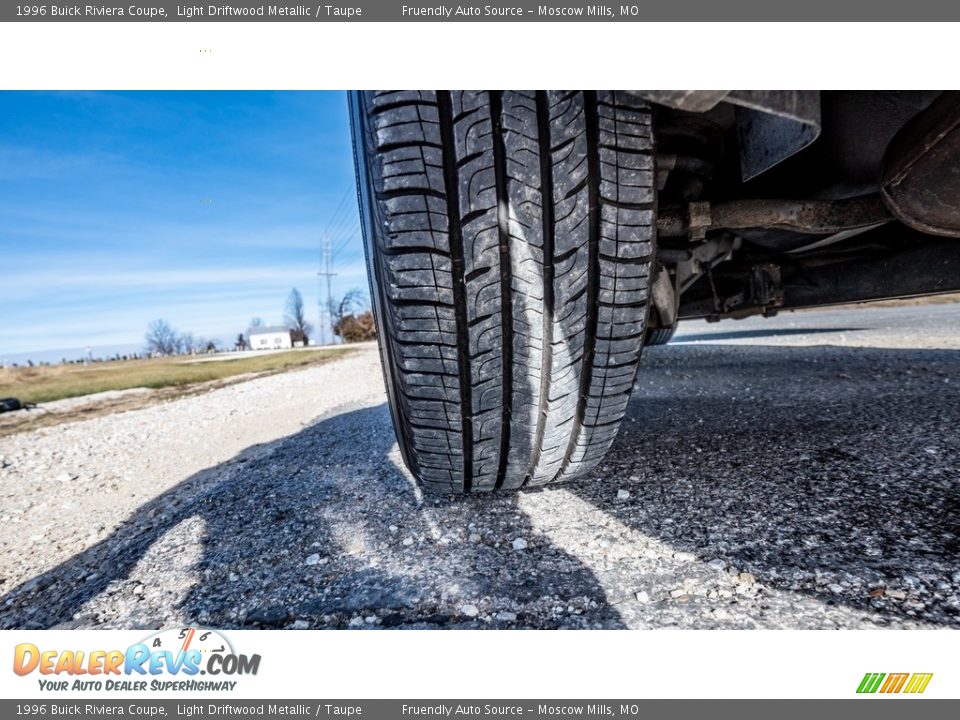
181 640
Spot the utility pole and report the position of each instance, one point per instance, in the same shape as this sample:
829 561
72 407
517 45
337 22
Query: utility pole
321 325
327 274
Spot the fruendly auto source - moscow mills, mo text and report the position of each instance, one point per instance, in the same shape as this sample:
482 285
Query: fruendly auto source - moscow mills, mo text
494 11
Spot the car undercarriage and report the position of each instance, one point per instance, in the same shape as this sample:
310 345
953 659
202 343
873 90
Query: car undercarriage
770 200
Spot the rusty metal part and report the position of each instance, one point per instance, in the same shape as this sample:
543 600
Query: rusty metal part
813 217
766 286
761 292
921 170
664 297
670 162
704 256
699 220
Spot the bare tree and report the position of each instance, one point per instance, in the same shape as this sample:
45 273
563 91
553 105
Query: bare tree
296 318
161 338
256 322
195 345
186 343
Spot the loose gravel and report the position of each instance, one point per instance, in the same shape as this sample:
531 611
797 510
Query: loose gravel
753 485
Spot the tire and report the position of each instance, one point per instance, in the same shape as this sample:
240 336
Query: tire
509 237
659 336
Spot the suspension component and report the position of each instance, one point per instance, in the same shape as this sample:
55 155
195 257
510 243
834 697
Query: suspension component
814 217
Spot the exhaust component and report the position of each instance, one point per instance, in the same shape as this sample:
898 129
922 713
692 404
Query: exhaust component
921 169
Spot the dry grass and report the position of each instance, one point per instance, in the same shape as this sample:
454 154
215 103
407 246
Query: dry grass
45 384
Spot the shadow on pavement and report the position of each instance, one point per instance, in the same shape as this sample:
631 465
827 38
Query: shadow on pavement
324 529
826 471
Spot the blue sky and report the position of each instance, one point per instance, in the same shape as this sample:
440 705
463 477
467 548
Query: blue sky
201 208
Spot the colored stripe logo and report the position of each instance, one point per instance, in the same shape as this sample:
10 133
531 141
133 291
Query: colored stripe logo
913 683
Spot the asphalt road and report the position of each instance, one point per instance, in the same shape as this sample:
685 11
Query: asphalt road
795 472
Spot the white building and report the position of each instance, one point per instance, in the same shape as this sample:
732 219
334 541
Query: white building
269 338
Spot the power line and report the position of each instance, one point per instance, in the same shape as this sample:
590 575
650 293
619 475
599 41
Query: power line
349 233
340 206
345 223
343 246
348 221
336 220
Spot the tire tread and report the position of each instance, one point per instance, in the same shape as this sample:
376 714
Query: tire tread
511 233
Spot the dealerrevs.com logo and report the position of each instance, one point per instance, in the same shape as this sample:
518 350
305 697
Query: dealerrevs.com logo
182 653
890 683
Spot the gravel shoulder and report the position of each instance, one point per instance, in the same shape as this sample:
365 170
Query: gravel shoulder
799 472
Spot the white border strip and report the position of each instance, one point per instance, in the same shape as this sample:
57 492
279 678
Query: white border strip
119 55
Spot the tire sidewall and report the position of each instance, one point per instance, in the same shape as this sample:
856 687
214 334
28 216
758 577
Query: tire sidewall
361 161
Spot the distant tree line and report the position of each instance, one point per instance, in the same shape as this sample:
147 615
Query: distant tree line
162 339
352 321
116 357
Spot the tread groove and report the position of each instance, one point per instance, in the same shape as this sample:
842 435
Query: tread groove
549 271
455 234
506 279
592 182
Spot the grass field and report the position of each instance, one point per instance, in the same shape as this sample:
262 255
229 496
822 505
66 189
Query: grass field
45 384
